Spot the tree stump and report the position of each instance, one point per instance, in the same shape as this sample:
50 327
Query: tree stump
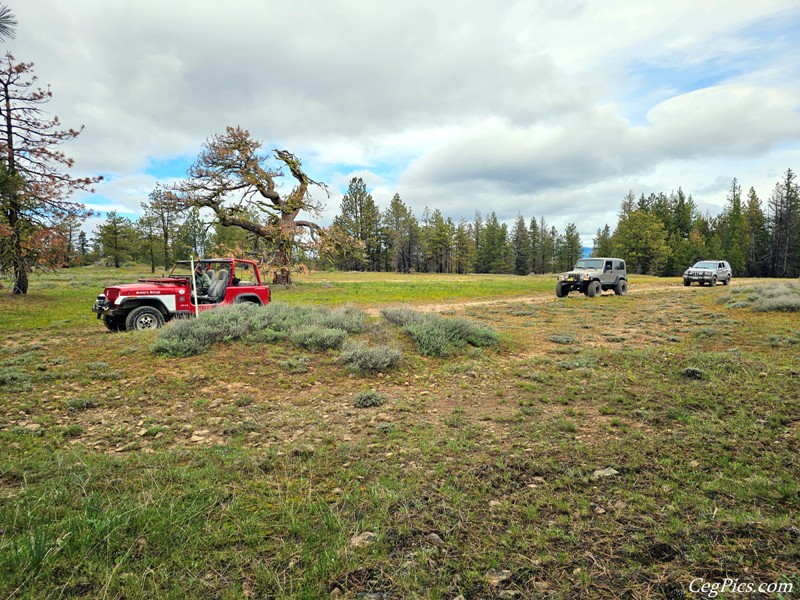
282 277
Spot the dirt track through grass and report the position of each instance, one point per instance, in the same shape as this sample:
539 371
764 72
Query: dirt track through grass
545 297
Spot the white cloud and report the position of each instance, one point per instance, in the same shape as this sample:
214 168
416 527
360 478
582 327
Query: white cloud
725 120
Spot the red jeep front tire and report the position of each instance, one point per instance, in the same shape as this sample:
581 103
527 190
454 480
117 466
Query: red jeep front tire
144 317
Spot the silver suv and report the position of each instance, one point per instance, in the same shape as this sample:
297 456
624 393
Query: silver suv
708 272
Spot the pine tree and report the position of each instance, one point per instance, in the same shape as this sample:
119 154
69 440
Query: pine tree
784 227
714 246
70 228
440 241
534 235
553 251
8 24
661 206
686 252
640 238
192 239
115 239
83 247
162 208
425 259
464 248
679 227
478 242
573 247
546 248
602 244
359 217
732 231
147 233
684 213
756 235
628 205
521 247
494 254
233 179
401 234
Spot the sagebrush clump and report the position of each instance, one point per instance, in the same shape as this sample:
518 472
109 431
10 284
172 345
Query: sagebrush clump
694 373
365 359
317 337
369 398
401 316
774 297
434 335
314 328
295 365
14 380
82 403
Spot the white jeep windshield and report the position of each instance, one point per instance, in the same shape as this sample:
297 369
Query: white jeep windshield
589 263
705 264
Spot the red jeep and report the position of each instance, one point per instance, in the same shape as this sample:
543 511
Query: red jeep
153 301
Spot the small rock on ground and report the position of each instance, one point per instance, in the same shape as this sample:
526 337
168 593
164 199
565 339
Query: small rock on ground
495 576
364 539
435 540
608 472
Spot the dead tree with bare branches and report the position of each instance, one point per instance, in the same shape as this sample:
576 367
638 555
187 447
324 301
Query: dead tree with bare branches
232 178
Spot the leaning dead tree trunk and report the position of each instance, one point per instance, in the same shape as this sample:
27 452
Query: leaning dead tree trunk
232 179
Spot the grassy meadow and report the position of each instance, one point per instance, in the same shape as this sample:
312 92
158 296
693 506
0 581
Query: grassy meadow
598 448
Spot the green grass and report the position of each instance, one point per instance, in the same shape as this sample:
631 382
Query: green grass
63 298
378 289
247 471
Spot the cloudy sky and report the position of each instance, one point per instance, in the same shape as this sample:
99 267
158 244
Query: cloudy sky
536 107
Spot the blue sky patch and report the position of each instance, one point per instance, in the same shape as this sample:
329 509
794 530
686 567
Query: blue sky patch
168 168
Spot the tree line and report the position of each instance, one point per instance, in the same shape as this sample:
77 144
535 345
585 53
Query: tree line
397 240
658 234
663 234
233 202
